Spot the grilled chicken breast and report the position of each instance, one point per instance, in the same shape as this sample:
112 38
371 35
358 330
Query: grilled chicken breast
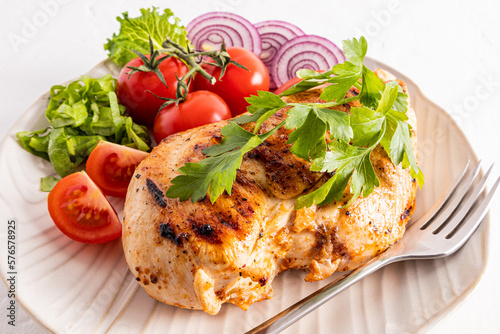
201 255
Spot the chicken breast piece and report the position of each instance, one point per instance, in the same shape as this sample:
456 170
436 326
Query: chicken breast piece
201 255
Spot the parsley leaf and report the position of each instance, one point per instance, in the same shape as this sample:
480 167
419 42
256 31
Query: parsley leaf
340 85
401 103
370 89
310 124
261 107
366 125
397 144
355 50
370 127
347 161
308 138
346 74
388 98
337 123
217 173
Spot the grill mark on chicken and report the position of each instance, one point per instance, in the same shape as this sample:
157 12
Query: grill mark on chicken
200 147
167 232
229 223
242 205
205 232
229 215
287 175
353 91
339 248
153 278
406 213
323 246
156 192
219 216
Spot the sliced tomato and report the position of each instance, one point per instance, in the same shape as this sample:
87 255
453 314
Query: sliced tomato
111 167
81 211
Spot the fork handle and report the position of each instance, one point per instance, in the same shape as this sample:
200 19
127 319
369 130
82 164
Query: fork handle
303 307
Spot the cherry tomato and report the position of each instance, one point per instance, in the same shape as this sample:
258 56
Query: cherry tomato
287 85
237 83
133 93
81 211
199 108
111 167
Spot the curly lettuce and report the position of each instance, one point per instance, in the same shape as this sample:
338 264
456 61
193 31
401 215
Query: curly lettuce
134 34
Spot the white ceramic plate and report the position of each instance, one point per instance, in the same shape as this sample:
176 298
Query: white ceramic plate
75 288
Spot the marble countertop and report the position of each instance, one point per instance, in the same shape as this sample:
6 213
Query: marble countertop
449 48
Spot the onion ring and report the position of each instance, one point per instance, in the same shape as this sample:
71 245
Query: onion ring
274 34
309 52
206 32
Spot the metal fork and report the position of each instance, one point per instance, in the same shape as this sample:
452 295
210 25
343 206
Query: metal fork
441 231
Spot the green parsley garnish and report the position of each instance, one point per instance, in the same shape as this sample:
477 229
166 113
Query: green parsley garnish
381 120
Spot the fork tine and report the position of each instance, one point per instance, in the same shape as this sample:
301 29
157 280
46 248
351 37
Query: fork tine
451 204
474 219
429 214
469 199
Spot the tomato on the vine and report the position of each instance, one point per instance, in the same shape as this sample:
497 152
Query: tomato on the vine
199 108
111 167
237 83
136 91
81 211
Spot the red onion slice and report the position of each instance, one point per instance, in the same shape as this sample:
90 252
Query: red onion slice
207 31
274 34
309 51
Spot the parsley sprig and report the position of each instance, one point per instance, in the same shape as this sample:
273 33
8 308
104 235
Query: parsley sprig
351 137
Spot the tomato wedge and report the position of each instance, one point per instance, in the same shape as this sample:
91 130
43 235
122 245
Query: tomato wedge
81 211
111 167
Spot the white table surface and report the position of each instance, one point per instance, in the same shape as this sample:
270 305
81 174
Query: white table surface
451 49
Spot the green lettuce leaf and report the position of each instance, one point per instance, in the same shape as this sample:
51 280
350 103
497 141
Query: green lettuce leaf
82 113
134 34
35 142
48 183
